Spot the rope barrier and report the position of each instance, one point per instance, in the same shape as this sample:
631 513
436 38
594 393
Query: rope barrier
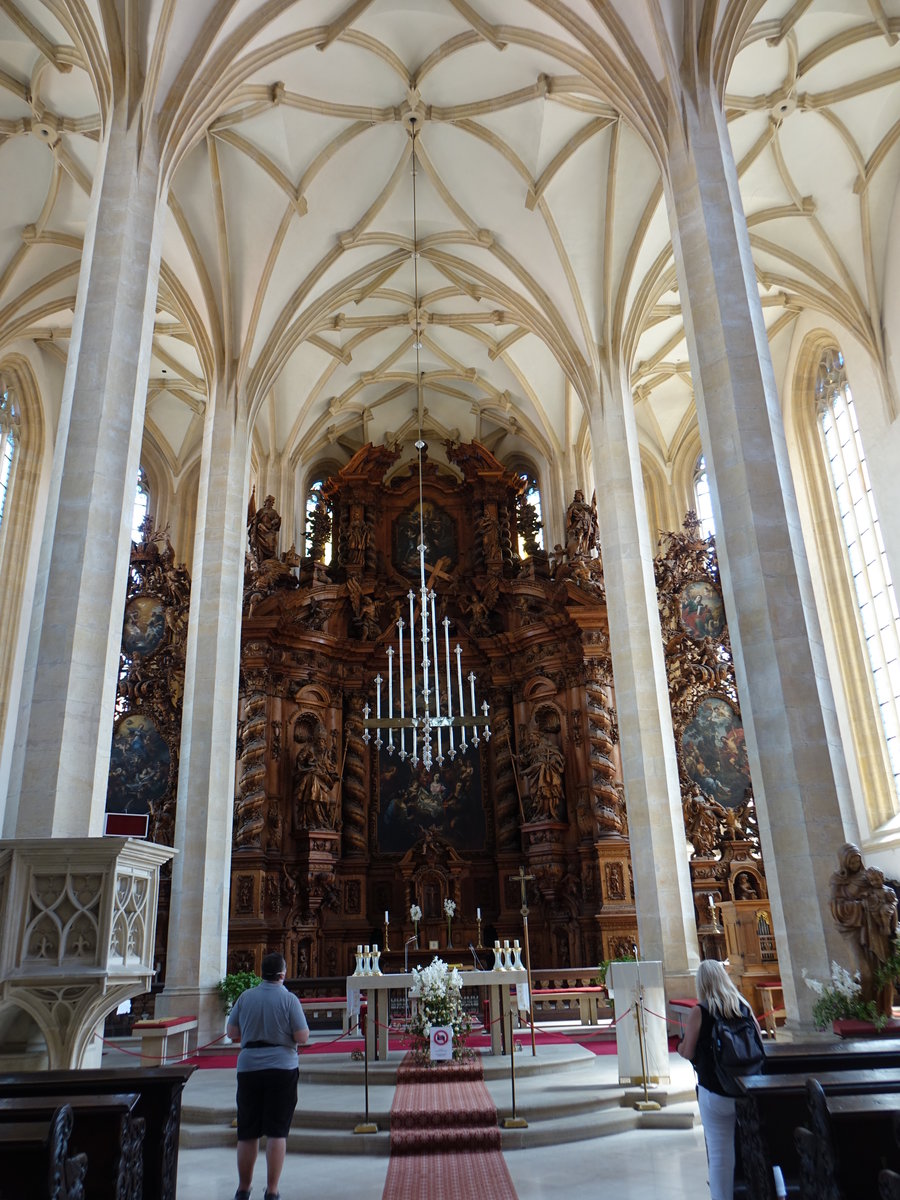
167 1059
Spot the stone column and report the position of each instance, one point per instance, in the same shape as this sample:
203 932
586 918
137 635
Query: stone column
662 882
201 876
59 777
796 758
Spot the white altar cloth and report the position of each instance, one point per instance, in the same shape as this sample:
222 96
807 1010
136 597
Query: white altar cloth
379 987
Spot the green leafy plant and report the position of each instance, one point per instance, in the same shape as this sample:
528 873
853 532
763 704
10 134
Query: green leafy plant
842 1000
602 970
231 987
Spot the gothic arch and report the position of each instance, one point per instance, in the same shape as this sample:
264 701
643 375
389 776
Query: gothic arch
838 611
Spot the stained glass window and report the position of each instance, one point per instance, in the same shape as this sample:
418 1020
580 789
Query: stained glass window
532 497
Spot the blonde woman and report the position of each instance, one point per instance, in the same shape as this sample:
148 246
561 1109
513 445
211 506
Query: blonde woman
718 998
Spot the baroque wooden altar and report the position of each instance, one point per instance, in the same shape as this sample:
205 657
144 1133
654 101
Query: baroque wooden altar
329 833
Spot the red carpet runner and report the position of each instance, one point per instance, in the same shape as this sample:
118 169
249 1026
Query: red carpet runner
445 1141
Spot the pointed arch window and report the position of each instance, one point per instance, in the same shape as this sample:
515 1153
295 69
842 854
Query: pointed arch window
532 497
9 443
703 499
141 505
312 511
873 587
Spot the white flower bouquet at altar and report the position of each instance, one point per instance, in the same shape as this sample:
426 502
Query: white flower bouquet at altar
437 991
415 915
450 910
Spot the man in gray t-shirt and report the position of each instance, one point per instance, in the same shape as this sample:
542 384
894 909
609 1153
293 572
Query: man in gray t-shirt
269 1023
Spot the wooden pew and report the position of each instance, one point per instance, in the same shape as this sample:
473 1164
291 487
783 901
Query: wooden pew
851 1142
773 1106
106 1131
35 1163
159 1092
783 1058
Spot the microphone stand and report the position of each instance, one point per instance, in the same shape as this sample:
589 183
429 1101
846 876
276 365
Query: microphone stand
478 962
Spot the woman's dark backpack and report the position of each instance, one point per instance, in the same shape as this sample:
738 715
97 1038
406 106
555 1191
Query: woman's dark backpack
737 1050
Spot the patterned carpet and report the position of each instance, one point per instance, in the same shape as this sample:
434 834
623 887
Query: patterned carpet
445 1140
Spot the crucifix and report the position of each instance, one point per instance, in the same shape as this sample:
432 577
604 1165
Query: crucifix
523 879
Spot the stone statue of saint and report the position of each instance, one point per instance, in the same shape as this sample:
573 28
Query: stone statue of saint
543 767
262 531
314 778
582 534
865 911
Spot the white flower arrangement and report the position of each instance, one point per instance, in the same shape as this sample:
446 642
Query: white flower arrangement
450 909
415 914
840 999
437 988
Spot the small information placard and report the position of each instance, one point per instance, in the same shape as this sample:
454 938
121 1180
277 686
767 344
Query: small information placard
441 1043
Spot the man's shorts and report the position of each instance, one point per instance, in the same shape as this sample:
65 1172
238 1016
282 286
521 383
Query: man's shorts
265 1103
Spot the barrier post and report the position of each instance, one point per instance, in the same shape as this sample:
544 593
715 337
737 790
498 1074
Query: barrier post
366 1126
513 1122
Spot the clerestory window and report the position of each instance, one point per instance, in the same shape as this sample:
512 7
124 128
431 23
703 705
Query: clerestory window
703 499
868 563
9 441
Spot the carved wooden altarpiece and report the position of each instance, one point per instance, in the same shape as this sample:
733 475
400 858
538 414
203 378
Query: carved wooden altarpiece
329 833
727 872
143 772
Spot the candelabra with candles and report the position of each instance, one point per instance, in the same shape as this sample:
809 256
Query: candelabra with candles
432 711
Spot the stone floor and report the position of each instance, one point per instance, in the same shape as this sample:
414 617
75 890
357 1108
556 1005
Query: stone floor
639 1165
560 1154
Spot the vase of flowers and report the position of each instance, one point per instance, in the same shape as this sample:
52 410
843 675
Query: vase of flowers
415 915
450 910
437 992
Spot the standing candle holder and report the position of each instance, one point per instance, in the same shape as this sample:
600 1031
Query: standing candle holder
386 946
478 945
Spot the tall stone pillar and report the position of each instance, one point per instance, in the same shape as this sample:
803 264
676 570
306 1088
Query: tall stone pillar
61 762
662 882
198 917
796 758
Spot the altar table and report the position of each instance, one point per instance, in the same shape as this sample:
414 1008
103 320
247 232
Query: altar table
379 987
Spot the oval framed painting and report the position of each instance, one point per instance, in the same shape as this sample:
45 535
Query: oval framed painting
702 611
714 752
144 626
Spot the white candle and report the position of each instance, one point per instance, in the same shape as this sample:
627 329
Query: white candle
385 916
478 913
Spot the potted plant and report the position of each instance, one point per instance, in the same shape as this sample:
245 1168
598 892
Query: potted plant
841 1000
232 985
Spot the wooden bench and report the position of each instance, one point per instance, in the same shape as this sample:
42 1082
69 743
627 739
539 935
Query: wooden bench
159 1091
773 1106
557 1002
849 1141
105 1131
156 1037
35 1163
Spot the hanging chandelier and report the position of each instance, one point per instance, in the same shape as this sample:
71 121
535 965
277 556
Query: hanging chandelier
432 711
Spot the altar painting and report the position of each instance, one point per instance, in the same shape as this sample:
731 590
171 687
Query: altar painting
144 625
702 611
439 531
138 766
445 799
714 752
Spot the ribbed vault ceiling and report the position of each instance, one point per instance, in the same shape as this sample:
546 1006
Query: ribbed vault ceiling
544 239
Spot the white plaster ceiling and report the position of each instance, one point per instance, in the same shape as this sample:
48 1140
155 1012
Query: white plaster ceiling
543 234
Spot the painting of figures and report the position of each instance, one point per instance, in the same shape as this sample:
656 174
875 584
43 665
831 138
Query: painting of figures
702 611
445 799
714 753
144 625
138 766
439 530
